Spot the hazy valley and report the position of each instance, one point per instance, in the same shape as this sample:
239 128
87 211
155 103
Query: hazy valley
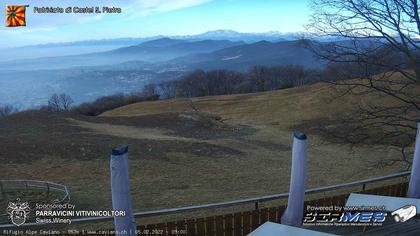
86 75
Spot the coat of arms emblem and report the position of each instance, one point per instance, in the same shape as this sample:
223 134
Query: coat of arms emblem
18 212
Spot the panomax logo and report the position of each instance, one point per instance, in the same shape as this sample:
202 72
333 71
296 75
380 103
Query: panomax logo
363 217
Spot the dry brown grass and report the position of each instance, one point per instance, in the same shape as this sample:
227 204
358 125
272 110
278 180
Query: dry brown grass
283 109
172 167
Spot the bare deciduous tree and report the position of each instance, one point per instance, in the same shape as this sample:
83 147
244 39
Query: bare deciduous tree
168 89
59 103
381 49
150 89
66 101
7 110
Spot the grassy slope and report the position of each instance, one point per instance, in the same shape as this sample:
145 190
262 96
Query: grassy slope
176 162
275 115
283 107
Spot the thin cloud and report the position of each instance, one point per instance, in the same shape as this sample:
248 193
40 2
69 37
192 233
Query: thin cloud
149 7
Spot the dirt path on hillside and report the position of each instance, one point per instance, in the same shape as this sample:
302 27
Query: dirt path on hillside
124 131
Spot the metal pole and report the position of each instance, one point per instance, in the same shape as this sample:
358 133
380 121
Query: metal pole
414 185
120 188
294 211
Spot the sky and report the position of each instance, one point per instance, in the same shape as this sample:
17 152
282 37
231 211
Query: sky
143 18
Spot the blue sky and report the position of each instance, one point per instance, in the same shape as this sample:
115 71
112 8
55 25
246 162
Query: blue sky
142 18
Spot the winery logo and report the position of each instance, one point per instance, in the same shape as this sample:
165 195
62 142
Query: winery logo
18 212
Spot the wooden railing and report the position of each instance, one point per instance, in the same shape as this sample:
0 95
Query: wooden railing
242 223
256 200
27 185
248 219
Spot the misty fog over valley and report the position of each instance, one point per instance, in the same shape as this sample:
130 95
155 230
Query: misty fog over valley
29 89
107 67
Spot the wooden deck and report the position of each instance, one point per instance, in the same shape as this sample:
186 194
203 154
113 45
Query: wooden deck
242 223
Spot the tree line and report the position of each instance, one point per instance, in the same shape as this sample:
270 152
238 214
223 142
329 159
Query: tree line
195 84
224 82
200 83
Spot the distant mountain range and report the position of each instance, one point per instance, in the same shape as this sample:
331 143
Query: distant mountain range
165 49
188 55
214 35
155 51
245 37
242 57
92 46
86 74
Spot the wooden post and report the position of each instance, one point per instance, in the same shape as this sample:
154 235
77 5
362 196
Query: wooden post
120 188
414 185
294 212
